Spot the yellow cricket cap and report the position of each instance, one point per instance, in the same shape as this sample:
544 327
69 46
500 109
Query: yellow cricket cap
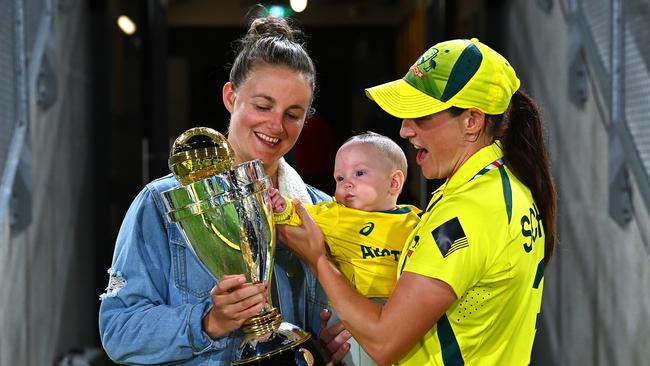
460 73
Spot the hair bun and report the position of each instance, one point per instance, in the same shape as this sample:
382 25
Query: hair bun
271 27
271 41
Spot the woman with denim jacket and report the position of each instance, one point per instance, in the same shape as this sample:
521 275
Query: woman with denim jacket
160 305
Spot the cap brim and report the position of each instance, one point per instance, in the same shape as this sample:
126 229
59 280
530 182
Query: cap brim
400 99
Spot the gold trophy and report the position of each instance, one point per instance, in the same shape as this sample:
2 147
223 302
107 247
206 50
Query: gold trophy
224 213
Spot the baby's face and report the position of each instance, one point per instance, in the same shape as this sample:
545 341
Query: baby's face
363 176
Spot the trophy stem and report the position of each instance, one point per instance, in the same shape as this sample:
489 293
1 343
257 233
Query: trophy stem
268 321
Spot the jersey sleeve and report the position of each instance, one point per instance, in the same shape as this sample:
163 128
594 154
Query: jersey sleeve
290 217
446 247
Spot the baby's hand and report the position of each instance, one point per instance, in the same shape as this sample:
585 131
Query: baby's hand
277 201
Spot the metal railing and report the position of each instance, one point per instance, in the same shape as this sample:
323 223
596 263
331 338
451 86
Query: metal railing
615 35
13 96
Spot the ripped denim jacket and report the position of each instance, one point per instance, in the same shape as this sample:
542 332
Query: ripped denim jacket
158 292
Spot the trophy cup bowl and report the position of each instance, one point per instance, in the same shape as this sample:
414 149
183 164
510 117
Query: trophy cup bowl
224 213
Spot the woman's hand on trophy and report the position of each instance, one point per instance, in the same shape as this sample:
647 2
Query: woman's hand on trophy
334 338
233 301
307 241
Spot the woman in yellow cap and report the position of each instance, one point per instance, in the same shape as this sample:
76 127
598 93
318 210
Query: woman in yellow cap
470 277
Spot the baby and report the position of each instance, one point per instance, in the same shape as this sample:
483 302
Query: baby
363 226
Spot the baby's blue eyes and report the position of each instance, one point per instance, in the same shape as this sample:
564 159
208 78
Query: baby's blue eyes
358 173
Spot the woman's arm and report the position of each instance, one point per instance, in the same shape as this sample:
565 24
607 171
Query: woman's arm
387 333
137 322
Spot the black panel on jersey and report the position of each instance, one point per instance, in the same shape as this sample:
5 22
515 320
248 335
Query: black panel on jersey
450 237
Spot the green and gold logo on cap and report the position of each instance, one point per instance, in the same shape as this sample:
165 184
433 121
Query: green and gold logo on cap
443 70
425 63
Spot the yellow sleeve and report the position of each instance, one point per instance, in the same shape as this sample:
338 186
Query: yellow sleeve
280 217
449 247
288 216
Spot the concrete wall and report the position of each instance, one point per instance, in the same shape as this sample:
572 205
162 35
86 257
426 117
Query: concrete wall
596 307
46 269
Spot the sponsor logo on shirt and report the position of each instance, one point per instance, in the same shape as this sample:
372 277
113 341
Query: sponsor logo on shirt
367 228
370 252
413 246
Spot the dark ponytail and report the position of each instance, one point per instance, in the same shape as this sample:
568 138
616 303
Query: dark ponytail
527 157
520 131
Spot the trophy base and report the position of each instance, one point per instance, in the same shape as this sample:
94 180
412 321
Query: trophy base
287 345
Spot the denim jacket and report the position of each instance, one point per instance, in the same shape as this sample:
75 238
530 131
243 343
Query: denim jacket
158 292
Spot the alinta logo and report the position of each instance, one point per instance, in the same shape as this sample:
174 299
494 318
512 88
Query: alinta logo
367 228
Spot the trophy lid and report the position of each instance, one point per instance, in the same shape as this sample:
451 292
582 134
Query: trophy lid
199 153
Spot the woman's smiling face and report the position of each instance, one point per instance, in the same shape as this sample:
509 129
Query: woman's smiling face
267 113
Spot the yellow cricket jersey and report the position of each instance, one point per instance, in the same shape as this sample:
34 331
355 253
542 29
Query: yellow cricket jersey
482 234
365 245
